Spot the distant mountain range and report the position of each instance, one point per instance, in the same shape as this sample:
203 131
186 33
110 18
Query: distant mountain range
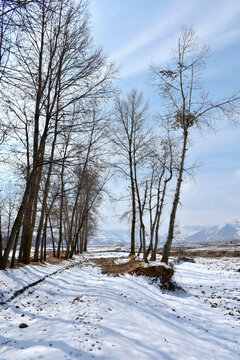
103 237
207 234
227 233
187 234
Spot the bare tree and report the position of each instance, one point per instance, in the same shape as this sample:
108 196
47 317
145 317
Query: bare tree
56 67
1 239
9 202
130 138
162 168
10 13
189 104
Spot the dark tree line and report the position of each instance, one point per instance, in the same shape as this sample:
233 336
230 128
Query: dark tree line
52 93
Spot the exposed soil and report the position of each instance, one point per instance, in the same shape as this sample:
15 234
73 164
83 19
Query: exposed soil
160 273
108 265
156 273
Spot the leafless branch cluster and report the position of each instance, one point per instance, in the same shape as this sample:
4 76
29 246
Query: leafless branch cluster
54 83
188 104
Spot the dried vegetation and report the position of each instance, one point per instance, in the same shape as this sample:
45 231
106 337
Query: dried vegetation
157 273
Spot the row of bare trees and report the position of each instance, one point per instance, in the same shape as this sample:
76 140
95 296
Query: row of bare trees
148 160
55 128
154 160
53 86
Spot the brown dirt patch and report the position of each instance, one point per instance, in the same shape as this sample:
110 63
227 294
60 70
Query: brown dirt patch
156 272
50 260
121 269
53 260
16 265
160 273
108 265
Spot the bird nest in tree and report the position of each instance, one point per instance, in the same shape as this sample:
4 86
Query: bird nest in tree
185 118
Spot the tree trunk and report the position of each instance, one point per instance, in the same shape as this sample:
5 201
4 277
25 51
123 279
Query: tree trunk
159 213
45 239
45 197
16 226
85 235
132 252
14 250
140 239
52 236
154 248
60 240
30 209
168 244
1 246
144 242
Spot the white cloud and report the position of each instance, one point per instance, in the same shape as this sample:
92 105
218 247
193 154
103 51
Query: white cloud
212 21
216 142
213 26
235 201
237 173
157 54
157 29
202 217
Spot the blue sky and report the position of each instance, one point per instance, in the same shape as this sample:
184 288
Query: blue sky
137 32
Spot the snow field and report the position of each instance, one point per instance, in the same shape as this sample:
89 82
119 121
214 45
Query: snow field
82 314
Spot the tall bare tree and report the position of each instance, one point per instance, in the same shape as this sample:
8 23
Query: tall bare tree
57 66
162 168
130 137
10 25
189 106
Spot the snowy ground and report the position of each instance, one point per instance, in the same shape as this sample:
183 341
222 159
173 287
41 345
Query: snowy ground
78 313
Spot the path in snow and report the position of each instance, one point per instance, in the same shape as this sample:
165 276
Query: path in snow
82 314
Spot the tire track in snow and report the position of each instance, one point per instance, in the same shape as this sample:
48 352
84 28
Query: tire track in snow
23 289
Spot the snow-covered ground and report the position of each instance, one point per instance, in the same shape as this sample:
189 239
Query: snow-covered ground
78 313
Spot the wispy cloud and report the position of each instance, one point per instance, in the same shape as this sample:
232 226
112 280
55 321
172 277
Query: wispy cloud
214 22
217 24
158 53
237 174
159 27
203 217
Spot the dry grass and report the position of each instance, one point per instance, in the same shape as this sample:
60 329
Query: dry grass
54 260
108 265
16 265
49 260
207 253
121 269
158 273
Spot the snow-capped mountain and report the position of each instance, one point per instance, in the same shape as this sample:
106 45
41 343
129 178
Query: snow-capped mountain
204 235
226 233
191 233
118 237
187 234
